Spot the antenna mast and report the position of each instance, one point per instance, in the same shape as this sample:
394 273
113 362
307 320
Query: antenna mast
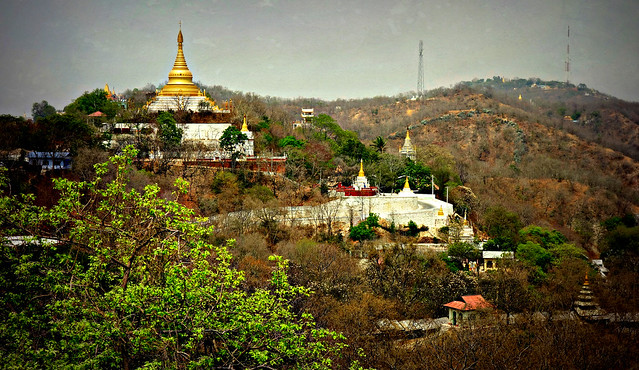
568 58
420 70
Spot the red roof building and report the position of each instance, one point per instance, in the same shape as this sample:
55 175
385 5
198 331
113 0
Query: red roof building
464 310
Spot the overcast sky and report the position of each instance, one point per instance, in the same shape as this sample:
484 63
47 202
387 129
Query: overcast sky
55 50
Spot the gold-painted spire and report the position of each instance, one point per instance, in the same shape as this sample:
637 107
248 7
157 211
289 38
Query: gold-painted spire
407 135
441 211
244 125
361 168
406 184
180 78
586 280
106 88
519 96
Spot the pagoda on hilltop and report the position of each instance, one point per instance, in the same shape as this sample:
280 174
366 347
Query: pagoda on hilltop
408 150
180 93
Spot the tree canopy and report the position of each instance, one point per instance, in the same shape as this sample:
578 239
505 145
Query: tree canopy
128 279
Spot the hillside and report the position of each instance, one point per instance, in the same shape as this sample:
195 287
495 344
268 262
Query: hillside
550 170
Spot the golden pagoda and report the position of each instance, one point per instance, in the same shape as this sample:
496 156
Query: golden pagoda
408 150
361 182
180 77
180 93
244 125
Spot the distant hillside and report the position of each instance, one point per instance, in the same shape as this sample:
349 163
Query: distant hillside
568 173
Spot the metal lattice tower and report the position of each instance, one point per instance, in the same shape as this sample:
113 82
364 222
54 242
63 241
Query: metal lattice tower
568 58
420 71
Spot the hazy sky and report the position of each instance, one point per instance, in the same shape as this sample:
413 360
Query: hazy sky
55 50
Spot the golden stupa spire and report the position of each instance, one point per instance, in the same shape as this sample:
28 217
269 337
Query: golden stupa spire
244 125
180 78
586 280
441 211
407 134
361 168
406 184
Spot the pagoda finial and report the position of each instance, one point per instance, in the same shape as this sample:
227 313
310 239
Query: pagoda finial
244 125
407 134
441 211
406 184
361 168
586 279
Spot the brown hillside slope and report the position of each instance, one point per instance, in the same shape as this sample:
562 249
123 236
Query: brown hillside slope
548 176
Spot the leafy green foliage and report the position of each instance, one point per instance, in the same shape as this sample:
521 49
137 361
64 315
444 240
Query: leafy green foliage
231 138
464 251
91 102
170 134
534 254
545 237
364 230
503 226
379 144
290 141
419 176
42 110
133 282
413 230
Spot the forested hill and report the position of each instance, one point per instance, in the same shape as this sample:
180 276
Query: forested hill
565 157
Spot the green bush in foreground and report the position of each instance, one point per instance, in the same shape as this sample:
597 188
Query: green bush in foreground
134 283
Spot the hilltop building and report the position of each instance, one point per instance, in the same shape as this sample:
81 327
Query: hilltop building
362 181
466 309
408 149
356 202
308 114
360 187
112 96
180 93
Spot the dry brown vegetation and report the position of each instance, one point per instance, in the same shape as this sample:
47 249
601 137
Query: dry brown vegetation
550 171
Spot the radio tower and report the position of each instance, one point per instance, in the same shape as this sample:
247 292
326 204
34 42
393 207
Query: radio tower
568 59
420 70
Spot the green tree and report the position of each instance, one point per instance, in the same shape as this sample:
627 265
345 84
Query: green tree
534 254
290 141
503 226
545 237
61 132
364 230
168 131
132 282
379 144
419 177
91 102
464 251
230 141
42 110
